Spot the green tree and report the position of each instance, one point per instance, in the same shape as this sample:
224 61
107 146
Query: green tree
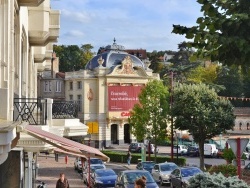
198 109
222 33
203 74
149 117
73 57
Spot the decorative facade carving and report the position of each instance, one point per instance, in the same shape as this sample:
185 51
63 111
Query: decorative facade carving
127 66
90 95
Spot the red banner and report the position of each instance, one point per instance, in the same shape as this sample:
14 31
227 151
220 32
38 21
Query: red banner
123 98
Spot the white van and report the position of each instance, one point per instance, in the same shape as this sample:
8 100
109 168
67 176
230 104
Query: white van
210 150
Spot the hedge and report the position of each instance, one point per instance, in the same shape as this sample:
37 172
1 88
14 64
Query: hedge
121 157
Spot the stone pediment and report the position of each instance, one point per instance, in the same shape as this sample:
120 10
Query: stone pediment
127 68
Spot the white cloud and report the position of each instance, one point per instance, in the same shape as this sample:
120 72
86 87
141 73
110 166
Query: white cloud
143 24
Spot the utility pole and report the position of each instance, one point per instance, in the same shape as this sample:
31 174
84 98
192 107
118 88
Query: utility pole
171 104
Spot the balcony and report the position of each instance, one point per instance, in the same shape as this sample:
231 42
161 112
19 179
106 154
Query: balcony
30 3
47 29
38 111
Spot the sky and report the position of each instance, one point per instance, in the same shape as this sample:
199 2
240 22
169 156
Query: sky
135 24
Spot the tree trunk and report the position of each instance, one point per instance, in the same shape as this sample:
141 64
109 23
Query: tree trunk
201 149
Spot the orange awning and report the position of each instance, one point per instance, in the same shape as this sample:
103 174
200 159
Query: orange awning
64 145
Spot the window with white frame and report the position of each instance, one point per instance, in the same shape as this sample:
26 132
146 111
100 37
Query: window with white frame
58 86
47 86
79 84
79 100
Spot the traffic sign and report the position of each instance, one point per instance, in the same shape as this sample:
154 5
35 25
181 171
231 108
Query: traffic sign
233 144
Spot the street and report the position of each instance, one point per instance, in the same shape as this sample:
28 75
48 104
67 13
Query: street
49 169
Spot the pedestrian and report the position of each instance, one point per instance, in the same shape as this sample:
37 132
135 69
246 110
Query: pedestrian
129 156
140 183
62 182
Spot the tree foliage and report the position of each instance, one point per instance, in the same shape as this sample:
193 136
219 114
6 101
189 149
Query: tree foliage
149 117
222 33
73 57
203 74
198 109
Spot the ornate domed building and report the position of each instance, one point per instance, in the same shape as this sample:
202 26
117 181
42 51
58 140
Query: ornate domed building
107 90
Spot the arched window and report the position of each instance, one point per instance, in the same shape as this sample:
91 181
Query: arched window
240 126
247 126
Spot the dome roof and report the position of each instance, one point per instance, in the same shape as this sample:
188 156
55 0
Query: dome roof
113 56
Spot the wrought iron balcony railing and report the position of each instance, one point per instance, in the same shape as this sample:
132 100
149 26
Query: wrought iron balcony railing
35 110
65 109
31 110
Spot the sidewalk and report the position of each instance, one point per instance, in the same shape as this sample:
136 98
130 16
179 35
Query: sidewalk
49 171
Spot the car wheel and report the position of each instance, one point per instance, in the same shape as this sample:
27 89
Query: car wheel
161 181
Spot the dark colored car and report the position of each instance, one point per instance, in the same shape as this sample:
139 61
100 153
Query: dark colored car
126 179
180 176
146 165
135 147
193 151
103 178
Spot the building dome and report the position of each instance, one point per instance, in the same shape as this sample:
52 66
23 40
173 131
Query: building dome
112 56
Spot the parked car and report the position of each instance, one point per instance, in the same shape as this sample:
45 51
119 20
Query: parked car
145 165
210 150
193 151
86 171
161 172
182 150
180 176
103 178
135 147
126 179
78 164
152 148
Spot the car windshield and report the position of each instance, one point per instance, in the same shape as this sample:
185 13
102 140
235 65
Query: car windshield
168 167
101 173
96 161
148 165
130 177
190 172
93 168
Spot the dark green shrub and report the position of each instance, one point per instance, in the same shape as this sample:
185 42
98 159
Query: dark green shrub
228 155
121 157
226 170
207 180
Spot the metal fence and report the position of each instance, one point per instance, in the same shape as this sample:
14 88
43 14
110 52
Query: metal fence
65 109
32 110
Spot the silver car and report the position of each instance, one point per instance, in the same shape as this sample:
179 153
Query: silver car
161 172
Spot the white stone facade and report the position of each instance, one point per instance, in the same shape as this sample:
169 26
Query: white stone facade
113 126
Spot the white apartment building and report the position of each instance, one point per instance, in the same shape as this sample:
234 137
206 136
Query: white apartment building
28 125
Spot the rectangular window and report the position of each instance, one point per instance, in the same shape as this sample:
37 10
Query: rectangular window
79 100
58 86
47 86
71 85
79 85
71 97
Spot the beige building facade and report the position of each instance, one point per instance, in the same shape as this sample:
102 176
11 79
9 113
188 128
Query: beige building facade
107 90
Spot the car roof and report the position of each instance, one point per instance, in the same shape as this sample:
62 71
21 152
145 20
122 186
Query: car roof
189 167
166 163
128 171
